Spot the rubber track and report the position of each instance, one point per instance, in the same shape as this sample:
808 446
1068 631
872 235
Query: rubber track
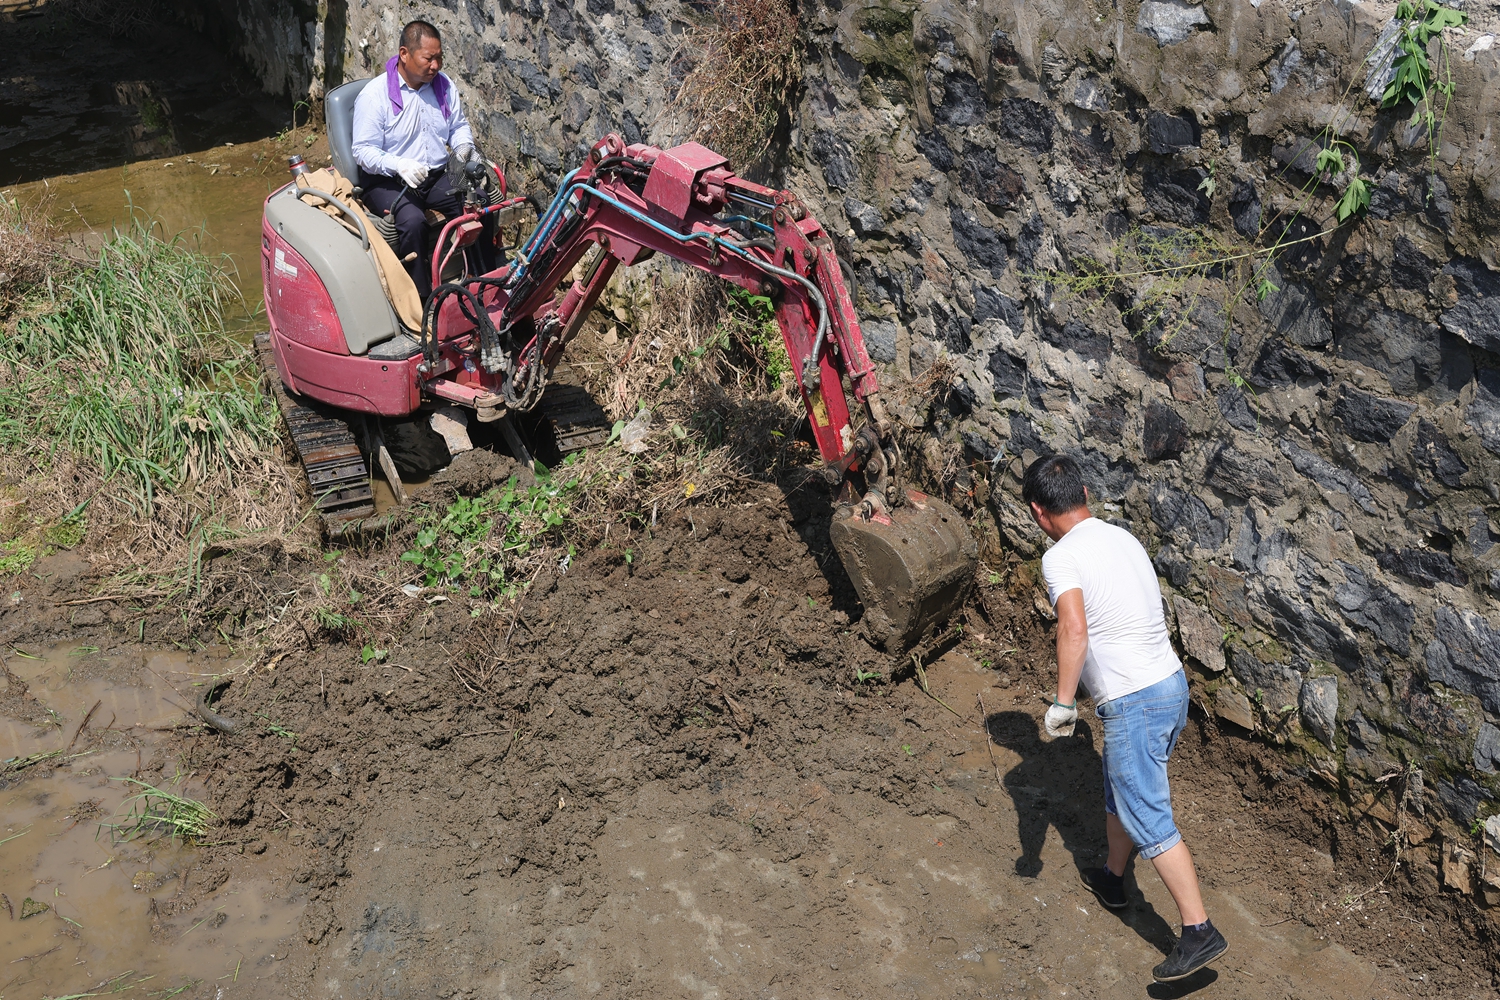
577 421
330 455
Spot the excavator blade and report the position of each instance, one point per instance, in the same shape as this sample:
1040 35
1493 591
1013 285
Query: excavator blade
911 569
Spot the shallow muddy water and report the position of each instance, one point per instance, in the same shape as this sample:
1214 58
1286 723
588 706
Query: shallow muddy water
211 197
163 127
92 907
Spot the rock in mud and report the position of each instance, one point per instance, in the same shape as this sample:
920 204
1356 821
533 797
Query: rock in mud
1487 749
1457 868
1231 704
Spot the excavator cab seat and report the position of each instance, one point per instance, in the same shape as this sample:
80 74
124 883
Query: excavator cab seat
338 109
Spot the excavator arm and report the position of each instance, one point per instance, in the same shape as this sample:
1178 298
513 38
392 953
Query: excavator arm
909 555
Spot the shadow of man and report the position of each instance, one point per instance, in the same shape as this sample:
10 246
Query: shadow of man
1060 783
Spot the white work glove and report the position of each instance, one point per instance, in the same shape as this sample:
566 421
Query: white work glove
1060 719
411 171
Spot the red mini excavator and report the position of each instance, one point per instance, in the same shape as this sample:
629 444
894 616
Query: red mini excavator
489 343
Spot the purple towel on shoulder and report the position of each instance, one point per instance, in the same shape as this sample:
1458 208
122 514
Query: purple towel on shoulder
393 88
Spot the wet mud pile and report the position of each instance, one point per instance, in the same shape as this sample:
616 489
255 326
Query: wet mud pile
663 777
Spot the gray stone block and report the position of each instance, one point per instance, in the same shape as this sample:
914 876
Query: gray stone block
1246 476
1165 433
1376 609
1170 21
1296 315
1422 566
1167 134
880 339
1400 346
1179 512
865 218
1432 454
1027 124
1230 703
1483 413
1318 704
1201 634
1299 623
1368 417
1329 476
1476 316
1487 749
982 175
1277 683
1465 655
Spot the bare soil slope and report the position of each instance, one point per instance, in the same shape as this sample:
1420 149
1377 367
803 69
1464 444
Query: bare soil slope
662 778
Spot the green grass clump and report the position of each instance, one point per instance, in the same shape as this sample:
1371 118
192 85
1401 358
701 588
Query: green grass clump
480 541
124 362
154 812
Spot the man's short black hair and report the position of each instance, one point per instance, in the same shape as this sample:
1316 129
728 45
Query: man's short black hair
413 34
1055 484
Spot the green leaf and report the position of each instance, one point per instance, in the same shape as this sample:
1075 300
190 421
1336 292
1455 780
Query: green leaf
1330 160
1356 199
1267 286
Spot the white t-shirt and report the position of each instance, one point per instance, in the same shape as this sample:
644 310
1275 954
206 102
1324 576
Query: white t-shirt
1128 644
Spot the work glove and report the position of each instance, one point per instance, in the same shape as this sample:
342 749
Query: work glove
411 172
1061 719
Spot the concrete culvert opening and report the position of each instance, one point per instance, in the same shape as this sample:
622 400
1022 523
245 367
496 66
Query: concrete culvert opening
582 698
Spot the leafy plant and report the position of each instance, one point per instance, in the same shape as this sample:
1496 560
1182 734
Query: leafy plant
474 541
1210 183
1415 82
751 322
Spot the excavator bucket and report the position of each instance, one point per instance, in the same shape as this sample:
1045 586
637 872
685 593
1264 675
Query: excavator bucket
911 569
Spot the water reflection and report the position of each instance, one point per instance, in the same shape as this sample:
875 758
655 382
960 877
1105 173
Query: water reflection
75 98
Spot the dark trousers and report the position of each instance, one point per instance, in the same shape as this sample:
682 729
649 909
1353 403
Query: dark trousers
411 204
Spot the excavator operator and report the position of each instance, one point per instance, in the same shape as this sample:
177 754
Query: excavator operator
405 123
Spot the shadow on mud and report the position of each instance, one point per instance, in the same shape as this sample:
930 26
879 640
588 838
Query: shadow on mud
1060 783
1183 987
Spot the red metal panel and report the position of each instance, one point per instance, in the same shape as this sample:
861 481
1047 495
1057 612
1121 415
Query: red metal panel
387 388
297 303
669 188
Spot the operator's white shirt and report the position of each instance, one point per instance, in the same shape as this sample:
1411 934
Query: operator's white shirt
1128 644
419 132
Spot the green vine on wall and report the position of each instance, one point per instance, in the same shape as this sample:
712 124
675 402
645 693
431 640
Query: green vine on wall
1414 80
1167 274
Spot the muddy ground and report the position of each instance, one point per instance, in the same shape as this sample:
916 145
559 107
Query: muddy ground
661 778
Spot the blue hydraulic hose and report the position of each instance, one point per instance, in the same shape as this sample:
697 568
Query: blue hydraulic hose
558 200
745 218
566 194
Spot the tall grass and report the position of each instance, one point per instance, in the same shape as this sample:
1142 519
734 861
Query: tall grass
124 363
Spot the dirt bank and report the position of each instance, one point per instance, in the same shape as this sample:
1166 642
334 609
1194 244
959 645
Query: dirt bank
667 781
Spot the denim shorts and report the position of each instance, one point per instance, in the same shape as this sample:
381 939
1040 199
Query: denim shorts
1140 731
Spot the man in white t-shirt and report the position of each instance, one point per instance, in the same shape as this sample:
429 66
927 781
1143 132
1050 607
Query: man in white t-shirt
1112 639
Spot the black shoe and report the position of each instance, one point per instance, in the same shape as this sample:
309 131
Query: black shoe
1193 952
1109 887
